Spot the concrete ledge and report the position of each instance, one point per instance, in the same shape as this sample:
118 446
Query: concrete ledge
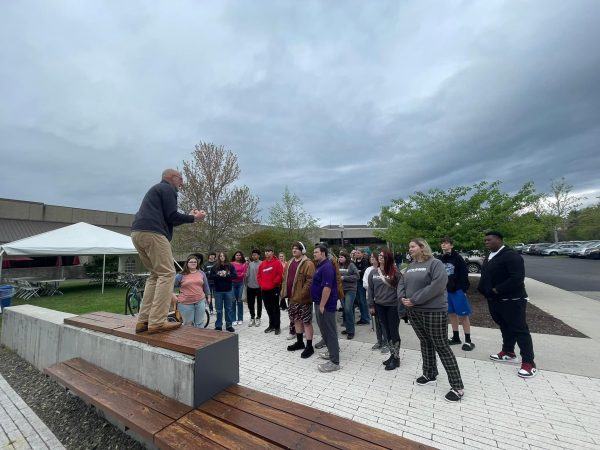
39 336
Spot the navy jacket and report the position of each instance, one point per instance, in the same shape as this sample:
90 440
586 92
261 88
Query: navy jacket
506 273
158 211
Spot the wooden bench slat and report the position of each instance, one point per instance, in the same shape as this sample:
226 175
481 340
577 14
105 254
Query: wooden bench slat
358 430
270 431
144 421
309 427
137 392
221 432
93 324
176 437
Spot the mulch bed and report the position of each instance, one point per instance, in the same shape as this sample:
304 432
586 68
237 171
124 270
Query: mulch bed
75 424
538 320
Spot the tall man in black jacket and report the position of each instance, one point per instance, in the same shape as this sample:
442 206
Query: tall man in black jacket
503 284
151 232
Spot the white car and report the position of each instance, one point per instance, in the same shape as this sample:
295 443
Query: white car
583 250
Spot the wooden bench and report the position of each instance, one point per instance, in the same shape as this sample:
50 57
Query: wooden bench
216 353
237 418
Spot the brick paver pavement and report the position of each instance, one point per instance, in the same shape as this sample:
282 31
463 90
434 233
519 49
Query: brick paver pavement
499 410
20 428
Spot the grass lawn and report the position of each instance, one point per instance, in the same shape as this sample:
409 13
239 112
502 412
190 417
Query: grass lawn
79 298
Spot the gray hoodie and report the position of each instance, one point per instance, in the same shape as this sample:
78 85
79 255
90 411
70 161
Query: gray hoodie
251 274
381 292
350 275
425 284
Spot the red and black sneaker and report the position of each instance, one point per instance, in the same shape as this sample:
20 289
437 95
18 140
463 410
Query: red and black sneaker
527 370
504 357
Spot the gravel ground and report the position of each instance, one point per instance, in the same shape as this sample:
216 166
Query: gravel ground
75 424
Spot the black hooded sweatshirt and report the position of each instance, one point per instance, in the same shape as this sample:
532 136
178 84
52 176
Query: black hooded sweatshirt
458 275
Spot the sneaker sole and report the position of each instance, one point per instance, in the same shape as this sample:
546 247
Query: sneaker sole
453 401
512 360
533 374
425 384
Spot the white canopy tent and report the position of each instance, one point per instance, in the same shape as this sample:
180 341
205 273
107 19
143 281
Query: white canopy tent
80 239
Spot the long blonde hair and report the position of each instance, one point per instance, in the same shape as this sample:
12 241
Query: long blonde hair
427 253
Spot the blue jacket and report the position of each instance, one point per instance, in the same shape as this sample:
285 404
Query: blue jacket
158 211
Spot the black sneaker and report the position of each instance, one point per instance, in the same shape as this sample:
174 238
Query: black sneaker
468 346
423 380
218 328
295 346
230 329
268 330
307 352
454 396
454 341
362 322
345 332
350 337
278 332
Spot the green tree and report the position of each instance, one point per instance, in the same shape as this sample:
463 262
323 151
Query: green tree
232 211
288 218
266 236
559 204
585 223
462 212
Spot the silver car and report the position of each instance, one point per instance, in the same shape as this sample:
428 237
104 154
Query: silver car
558 249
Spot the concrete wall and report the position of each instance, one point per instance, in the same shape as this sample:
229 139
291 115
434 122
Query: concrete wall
39 336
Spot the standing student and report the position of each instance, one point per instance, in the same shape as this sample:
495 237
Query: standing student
381 343
383 301
350 275
253 295
323 292
503 284
239 263
223 274
207 268
269 277
422 290
193 291
459 308
151 233
297 279
362 263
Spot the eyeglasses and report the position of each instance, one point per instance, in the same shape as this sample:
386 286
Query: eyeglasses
192 262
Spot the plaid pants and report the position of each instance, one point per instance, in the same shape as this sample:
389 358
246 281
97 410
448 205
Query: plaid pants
432 330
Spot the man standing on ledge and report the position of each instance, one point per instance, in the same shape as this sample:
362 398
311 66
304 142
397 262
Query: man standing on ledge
503 284
151 233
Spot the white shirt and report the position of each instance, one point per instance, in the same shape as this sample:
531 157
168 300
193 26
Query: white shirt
492 254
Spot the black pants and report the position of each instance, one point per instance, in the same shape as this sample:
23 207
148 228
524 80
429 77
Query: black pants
253 294
389 320
510 315
271 299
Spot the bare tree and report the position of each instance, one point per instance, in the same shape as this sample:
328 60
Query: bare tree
209 184
560 202
289 217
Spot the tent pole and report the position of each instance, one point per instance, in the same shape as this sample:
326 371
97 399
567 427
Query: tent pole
103 269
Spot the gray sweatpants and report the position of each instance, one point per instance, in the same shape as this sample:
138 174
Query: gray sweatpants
329 334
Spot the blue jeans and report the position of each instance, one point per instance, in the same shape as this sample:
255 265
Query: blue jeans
238 289
361 293
224 299
193 314
349 311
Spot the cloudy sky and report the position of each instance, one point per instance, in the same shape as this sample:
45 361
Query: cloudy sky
348 103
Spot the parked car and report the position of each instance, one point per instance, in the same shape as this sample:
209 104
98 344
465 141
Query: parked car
556 249
594 253
525 249
519 247
474 262
536 249
584 250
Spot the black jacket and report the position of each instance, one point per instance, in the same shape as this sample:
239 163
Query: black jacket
362 266
222 283
456 267
158 211
505 273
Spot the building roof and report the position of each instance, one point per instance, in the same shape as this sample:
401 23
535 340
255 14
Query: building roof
13 229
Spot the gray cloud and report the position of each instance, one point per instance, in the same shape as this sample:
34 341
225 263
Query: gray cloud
349 104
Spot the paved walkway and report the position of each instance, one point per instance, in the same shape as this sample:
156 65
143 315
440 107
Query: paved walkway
20 428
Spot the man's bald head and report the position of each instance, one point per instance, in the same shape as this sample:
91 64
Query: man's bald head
173 177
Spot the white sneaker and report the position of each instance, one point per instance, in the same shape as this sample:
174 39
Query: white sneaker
252 323
257 323
290 337
324 355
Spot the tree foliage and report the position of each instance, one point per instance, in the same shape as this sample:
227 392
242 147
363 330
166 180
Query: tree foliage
232 211
266 236
463 213
289 219
558 205
585 223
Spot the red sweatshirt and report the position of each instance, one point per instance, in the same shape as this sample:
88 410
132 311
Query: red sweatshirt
270 274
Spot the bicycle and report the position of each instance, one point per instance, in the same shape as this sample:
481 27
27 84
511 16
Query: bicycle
134 293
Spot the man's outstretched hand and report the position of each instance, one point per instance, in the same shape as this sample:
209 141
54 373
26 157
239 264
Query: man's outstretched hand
199 214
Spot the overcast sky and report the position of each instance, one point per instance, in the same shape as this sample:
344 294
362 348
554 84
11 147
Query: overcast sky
349 103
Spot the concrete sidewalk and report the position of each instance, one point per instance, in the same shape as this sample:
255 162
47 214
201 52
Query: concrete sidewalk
559 408
20 427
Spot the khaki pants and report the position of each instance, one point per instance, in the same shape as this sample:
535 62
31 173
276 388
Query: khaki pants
155 253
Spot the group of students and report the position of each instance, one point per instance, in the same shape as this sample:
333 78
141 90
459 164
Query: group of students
429 293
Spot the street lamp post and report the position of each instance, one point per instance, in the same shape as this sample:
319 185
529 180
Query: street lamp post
342 236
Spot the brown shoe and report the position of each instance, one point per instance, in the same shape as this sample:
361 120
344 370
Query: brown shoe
140 327
167 326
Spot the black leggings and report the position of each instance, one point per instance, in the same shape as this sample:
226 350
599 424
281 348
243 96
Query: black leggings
271 299
389 320
253 294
